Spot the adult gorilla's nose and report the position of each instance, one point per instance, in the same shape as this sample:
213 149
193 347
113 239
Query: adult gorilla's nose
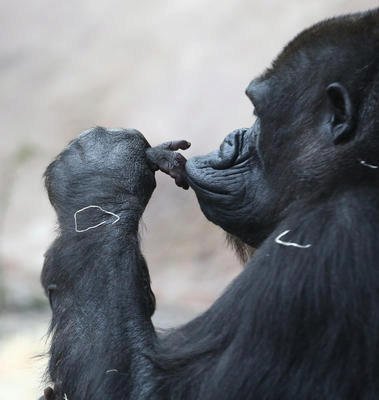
233 150
230 149
229 146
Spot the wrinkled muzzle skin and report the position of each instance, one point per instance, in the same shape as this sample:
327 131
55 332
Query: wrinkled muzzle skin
228 183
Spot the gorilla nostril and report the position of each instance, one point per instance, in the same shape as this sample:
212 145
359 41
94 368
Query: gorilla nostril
229 147
235 148
226 145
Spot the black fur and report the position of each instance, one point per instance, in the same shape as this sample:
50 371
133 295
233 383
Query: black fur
297 323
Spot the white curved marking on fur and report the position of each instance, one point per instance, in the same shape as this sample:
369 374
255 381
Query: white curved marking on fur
279 241
97 225
368 165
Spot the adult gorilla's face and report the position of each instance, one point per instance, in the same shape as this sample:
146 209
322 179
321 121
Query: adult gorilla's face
299 149
239 186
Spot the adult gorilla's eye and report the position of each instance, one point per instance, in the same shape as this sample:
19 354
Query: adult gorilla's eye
255 112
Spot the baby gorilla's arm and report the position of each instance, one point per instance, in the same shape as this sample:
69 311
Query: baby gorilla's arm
102 302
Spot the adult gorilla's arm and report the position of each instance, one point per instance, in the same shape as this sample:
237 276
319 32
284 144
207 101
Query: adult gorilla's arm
94 273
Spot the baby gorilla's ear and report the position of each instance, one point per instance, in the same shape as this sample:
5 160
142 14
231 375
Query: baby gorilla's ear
165 159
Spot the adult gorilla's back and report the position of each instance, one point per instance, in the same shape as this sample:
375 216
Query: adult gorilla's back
301 321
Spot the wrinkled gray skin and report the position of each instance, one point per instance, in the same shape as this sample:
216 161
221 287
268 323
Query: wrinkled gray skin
227 183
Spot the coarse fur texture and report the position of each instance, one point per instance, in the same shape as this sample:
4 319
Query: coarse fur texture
297 323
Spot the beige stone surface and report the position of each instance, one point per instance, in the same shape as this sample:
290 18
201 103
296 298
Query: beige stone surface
172 69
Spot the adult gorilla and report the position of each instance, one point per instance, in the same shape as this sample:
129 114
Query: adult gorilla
301 321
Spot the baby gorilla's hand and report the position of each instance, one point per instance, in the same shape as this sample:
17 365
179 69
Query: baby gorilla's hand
164 158
105 168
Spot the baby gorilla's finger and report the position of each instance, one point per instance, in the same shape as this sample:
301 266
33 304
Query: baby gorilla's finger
175 145
163 160
178 175
181 182
179 160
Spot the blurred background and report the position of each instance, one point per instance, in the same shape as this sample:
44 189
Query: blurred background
172 69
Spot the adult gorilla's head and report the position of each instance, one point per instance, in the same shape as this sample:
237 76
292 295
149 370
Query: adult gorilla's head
316 132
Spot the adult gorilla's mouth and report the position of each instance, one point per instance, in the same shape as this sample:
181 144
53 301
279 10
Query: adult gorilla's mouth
208 174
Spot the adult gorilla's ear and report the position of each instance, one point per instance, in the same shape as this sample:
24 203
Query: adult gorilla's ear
341 112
